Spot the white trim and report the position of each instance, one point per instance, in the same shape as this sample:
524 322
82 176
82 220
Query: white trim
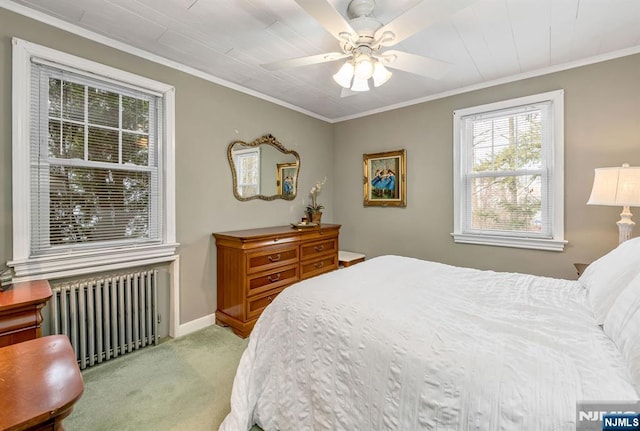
556 243
506 80
21 89
196 325
95 37
531 243
90 35
87 262
174 298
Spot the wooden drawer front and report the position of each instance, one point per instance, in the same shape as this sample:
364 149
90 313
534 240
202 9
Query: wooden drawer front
318 248
319 234
256 304
282 276
265 260
318 266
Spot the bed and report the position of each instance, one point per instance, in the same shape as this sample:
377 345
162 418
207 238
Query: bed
398 343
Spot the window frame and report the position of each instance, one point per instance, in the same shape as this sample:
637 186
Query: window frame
85 260
237 155
553 164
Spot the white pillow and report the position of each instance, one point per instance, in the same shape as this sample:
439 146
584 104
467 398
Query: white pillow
605 278
622 325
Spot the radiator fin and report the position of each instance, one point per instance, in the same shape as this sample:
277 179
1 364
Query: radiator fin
107 317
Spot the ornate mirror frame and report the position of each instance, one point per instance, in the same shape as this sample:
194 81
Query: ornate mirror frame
269 140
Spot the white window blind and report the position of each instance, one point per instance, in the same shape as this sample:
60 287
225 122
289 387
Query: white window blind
508 182
95 180
506 179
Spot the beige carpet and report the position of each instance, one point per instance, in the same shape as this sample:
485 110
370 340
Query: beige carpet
183 384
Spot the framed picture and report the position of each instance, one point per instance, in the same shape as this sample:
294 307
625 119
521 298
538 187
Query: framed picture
286 178
385 179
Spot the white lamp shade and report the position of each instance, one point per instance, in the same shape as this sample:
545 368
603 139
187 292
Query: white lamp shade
359 84
618 186
380 74
344 75
364 67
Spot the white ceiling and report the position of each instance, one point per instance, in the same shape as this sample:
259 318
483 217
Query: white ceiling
490 41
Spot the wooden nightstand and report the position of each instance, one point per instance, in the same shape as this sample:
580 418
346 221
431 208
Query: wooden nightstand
20 307
580 267
348 258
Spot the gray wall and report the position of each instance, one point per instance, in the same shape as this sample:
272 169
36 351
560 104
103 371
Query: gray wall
208 118
602 128
602 103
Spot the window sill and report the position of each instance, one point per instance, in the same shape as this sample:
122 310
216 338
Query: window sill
514 242
86 262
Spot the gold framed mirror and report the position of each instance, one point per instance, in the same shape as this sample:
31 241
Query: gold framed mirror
263 169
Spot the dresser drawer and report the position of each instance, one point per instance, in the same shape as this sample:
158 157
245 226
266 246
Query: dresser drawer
318 248
281 276
271 257
320 233
256 304
318 266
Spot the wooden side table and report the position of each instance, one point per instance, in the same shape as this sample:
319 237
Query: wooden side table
20 311
348 258
39 381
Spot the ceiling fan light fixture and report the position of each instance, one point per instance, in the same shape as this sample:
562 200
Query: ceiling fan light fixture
364 67
344 75
360 84
380 74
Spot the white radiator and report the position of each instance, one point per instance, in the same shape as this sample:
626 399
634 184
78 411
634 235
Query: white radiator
106 317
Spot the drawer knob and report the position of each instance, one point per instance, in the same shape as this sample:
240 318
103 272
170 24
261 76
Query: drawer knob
274 258
319 265
318 248
274 278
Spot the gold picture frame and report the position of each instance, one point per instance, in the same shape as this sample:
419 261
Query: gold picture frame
286 178
384 180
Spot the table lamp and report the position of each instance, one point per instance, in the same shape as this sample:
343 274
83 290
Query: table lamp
618 186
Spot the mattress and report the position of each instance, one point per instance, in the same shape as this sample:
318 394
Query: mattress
397 343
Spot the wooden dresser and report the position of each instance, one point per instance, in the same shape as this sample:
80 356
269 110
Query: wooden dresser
255 265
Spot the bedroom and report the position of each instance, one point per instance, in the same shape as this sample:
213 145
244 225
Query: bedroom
601 125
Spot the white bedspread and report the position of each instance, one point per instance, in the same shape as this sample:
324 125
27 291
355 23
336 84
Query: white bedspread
403 344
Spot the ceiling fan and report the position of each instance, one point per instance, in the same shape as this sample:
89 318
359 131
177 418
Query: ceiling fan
364 41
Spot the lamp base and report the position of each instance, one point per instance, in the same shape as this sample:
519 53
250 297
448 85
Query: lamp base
625 225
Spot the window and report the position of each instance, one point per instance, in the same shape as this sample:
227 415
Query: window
508 173
93 166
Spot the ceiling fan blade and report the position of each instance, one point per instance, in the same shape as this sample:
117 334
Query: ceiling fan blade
329 17
418 17
305 61
347 92
424 66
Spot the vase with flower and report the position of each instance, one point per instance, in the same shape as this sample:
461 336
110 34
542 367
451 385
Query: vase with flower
314 210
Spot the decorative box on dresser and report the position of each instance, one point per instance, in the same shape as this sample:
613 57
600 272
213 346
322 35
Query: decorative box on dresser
255 265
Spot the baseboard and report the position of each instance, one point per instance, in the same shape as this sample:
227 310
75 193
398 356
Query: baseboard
195 325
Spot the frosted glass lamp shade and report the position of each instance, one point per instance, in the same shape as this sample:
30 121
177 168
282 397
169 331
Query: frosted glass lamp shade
359 84
380 74
364 67
344 75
